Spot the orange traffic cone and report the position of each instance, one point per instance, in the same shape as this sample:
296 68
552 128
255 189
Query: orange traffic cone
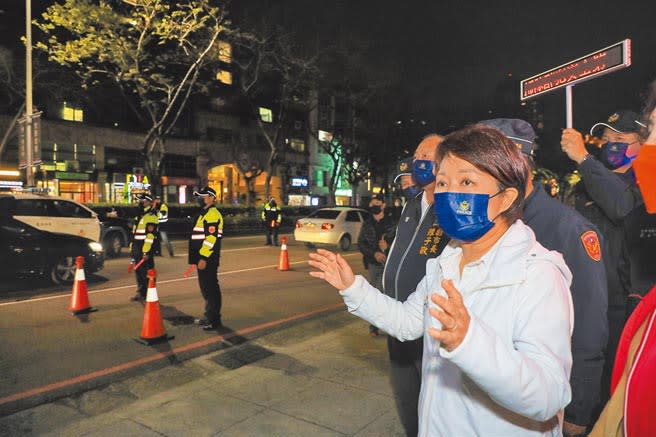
283 259
152 330
80 298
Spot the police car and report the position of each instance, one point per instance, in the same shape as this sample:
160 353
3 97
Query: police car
51 214
43 235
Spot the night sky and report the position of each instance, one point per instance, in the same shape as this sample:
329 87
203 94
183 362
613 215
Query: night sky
455 56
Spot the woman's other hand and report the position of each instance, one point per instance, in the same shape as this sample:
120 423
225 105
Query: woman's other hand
453 316
332 268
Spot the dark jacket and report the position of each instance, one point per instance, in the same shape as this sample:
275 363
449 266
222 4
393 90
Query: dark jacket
606 199
560 228
370 236
416 241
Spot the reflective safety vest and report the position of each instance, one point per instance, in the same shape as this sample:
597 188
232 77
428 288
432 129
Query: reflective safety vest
205 239
163 213
144 230
271 215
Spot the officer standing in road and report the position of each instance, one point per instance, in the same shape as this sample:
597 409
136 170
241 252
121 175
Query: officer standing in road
418 239
561 228
607 195
144 233
163 213
271 217
204 252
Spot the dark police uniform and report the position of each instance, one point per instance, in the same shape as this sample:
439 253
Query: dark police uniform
417 240
144 233
205 244
560 228
606 199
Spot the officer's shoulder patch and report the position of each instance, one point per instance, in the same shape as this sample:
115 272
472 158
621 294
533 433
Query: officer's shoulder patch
591 244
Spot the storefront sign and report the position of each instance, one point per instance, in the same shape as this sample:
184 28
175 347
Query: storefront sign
588 67
11 184
299 182
171 180
347 192
72 176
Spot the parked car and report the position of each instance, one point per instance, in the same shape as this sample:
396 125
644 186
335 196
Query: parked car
26 250
115 232
339 226
51 213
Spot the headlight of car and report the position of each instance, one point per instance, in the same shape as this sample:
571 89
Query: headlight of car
95 247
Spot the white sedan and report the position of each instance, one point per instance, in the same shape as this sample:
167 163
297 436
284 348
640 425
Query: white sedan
338 226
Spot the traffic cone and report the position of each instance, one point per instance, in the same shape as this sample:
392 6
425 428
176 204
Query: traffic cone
152 330
80 298
283 259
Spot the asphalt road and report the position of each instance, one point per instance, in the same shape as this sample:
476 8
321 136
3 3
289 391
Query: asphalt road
46 351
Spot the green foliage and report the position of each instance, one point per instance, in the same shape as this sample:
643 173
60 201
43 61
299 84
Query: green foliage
153 50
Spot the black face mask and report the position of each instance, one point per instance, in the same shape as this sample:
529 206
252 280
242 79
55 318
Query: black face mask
376 209
201 202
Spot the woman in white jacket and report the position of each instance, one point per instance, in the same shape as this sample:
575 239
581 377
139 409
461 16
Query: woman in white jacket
496 305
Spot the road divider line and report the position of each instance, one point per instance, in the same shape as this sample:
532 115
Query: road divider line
161 355
123 287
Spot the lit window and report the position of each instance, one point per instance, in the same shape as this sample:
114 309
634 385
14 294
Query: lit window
266 115
225 52
72 114
224 76
298 145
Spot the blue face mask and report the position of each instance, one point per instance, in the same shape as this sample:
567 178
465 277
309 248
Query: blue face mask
463 216
613 155
411 191
422 172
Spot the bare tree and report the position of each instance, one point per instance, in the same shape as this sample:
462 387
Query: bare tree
272 71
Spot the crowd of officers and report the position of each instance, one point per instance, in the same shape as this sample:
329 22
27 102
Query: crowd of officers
594 239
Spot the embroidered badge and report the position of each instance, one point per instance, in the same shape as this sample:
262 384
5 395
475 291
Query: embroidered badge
431 241
211 229
613 118
403 166
591 245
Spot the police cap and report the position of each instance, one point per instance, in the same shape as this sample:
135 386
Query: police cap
205 191
519 131
622 122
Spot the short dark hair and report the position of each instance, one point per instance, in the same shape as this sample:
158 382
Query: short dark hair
492 152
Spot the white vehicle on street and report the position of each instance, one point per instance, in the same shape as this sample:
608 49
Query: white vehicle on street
338 226
52 214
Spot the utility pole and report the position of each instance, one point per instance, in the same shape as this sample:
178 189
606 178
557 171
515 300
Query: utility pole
29 138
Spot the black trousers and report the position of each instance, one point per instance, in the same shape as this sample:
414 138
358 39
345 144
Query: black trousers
142 274
272 235
405 376
208 281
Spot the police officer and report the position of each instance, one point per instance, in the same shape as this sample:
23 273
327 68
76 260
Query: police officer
204 252
163 215
607 195
560 228
271 217
417 240
144 233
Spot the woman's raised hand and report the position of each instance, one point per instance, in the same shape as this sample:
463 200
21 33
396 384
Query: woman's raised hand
332 268
452 315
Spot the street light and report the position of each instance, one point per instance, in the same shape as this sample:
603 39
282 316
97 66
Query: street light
29 174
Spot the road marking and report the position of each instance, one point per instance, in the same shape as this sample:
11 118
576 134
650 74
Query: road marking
161 355
123 287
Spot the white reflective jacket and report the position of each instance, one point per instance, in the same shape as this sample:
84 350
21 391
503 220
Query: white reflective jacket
510 374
